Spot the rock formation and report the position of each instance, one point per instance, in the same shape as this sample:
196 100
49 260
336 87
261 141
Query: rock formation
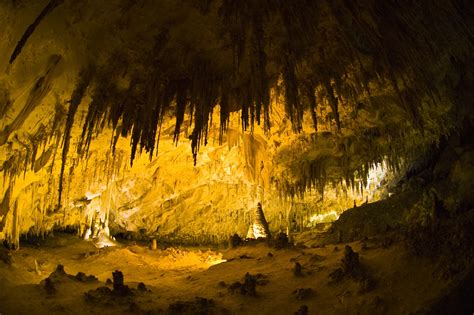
259 228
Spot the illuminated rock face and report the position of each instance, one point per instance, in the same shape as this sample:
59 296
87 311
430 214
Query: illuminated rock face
168 197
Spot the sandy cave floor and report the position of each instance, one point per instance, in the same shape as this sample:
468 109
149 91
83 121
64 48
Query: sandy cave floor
403 284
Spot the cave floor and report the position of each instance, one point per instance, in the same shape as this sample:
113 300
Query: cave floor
403 284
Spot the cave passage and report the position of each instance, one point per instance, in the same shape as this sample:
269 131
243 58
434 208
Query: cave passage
236 157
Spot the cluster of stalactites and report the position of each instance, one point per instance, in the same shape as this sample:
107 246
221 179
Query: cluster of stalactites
343 169
324 52
332 49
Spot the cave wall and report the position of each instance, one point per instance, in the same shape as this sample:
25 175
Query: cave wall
168 196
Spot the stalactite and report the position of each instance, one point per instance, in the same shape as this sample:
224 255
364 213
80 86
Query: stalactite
15 233
292 102
29 31
309 89
333 102
103 92
259 80
181 103
5 207
76 98
248 86
224 115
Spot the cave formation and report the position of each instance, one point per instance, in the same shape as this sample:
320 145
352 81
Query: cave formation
236 157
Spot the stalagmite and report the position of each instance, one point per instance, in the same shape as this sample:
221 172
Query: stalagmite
153 245
259 228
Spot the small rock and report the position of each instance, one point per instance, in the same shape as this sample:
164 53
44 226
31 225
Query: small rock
298 270
141 287
98 295
60 269
248 288
367 285
118 279
351 263
83 278
245 257
235 241
337 275
303 293
281 241
6 256
351 267
303 310
387 242
119 288
235 286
